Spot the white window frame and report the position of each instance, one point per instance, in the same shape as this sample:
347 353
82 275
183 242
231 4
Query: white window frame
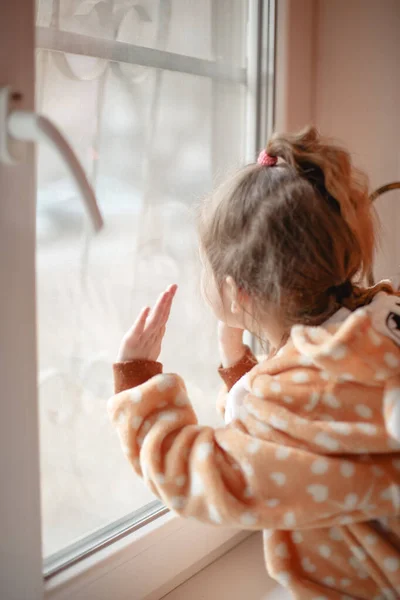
149 561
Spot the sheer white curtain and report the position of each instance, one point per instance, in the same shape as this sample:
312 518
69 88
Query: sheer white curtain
153 141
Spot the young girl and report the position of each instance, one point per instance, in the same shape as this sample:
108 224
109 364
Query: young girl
310 450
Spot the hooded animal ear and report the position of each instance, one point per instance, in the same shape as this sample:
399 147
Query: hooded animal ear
393 324
384 311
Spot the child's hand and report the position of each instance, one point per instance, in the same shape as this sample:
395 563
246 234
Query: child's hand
144 338
231 347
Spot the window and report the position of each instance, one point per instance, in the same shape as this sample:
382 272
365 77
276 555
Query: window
159 99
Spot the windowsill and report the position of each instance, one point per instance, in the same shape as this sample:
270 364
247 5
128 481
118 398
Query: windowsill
145 564
238 574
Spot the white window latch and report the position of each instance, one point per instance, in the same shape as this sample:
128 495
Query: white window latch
18 126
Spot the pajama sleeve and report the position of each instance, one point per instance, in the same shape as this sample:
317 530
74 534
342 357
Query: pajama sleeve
230 477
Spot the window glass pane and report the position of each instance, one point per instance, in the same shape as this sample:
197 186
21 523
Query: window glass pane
152 143
180 26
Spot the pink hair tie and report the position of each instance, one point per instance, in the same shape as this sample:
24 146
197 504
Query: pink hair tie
266 160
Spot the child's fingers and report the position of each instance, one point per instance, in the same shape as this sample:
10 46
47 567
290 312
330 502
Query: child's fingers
155 317
139 324
160 312
168 305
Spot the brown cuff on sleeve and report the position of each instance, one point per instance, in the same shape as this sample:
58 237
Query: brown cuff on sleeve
232 374
134 372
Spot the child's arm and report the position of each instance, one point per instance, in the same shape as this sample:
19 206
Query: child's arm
129 374
229 476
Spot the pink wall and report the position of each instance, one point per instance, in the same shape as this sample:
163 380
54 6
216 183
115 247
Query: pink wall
338 65
357 98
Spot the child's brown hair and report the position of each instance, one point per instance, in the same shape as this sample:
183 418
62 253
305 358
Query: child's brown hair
298 235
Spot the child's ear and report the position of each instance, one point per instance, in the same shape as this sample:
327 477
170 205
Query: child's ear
236 297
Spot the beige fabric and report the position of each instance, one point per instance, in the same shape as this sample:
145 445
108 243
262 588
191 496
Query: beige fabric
309 460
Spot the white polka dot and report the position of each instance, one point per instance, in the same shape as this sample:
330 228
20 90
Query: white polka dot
289 519
371 539
278 478
164 382
308 565
248 469
297 537
319 466
268 533
393 444
367 428
177 502
377 471
346 377
314 398
318 491
358 552
181 399
287 399
204 450
334 534
391 360
364 411
350 501
381 375
213 514
388 594
353 562
300 377
120 418
396 464
329 580
281 550
345 520
126 449
331 400
169 416
136 422
326 417
254 446
320 598
258 393
338 352
263 427
305 361
180 480
248 492
325 550
272 502
392 493
159 478
345 582
323 439
135 395
342 428
283 577
282 453
275 387
248 519
278 422
314 333
374 337
347 469
325 375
